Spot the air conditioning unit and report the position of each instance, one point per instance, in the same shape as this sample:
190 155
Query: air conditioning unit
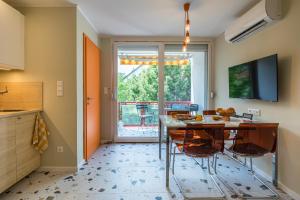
262 14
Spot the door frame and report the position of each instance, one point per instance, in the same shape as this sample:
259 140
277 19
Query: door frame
160 44
116 138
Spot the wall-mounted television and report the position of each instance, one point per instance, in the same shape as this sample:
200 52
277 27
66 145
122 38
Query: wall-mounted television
257 79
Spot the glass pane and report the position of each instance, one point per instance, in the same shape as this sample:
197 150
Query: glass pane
138 91
185 78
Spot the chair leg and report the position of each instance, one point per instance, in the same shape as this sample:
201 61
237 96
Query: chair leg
208 166
245 161
173 164
202 162
215 164
171 144
251 165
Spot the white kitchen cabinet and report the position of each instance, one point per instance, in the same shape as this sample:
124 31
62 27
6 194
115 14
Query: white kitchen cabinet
11 37
18 156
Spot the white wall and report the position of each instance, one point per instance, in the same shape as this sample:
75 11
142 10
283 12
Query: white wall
198 77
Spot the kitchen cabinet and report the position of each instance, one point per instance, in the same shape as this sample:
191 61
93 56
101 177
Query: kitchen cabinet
11 37
28 159
8 170
18 157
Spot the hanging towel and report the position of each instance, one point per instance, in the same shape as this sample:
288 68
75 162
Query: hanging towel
40 134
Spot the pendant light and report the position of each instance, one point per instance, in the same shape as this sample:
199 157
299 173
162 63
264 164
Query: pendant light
187 27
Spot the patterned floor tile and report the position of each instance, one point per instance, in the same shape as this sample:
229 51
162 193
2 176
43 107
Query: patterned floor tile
134 172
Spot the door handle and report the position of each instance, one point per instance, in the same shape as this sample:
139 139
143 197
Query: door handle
88 100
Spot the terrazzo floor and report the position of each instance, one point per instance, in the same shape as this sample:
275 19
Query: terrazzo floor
134 172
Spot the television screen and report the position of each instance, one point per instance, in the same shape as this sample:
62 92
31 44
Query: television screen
255 80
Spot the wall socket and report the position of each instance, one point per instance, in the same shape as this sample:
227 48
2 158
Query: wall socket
60 149
254 111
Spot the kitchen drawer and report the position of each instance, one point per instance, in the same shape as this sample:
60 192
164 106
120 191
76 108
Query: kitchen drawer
26 118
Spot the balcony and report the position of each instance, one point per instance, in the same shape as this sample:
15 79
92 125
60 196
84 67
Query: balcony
143 122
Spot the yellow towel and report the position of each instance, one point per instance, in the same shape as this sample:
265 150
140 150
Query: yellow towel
40 134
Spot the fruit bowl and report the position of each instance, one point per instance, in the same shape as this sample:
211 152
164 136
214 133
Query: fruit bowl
226 113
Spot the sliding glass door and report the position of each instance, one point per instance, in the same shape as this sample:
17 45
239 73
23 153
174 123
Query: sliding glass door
137 92
151 79
185 78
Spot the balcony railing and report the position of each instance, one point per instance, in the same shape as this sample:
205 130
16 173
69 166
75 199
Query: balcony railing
129 115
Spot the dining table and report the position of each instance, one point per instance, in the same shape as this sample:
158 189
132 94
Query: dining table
168 123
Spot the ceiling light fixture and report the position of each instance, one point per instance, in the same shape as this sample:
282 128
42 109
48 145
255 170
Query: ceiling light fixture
187 27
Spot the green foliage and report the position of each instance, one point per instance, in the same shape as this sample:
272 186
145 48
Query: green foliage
143 86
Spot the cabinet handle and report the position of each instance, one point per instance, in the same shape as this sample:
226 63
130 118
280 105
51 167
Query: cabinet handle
18 118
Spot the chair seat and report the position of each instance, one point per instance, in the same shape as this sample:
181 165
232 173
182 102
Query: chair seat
248 149
197 150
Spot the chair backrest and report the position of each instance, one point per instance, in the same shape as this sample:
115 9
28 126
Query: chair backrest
248 116
204 140
175 112
142 108
209 112
256 139
177 106
194 107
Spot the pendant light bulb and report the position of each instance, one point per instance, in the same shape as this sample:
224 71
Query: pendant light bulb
187 26
187 38
184 47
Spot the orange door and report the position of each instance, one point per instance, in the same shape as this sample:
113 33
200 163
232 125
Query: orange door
91 97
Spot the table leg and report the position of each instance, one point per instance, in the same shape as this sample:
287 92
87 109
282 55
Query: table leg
275 168
159 138
167 158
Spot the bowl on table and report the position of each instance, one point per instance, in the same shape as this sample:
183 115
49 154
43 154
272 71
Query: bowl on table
226 113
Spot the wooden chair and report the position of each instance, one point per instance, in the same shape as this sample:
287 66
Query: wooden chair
143 113
202 141
209 112
176 136
175 112
255 140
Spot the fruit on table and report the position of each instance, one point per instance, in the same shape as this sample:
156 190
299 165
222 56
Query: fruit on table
216 118
226 112
199 118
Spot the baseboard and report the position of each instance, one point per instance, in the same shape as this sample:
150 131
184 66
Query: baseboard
262 173
106 141
287 190
58 169
82 162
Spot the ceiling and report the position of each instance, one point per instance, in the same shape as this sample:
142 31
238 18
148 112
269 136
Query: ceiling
209 18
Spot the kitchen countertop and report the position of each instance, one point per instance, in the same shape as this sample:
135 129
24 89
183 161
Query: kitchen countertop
17 113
